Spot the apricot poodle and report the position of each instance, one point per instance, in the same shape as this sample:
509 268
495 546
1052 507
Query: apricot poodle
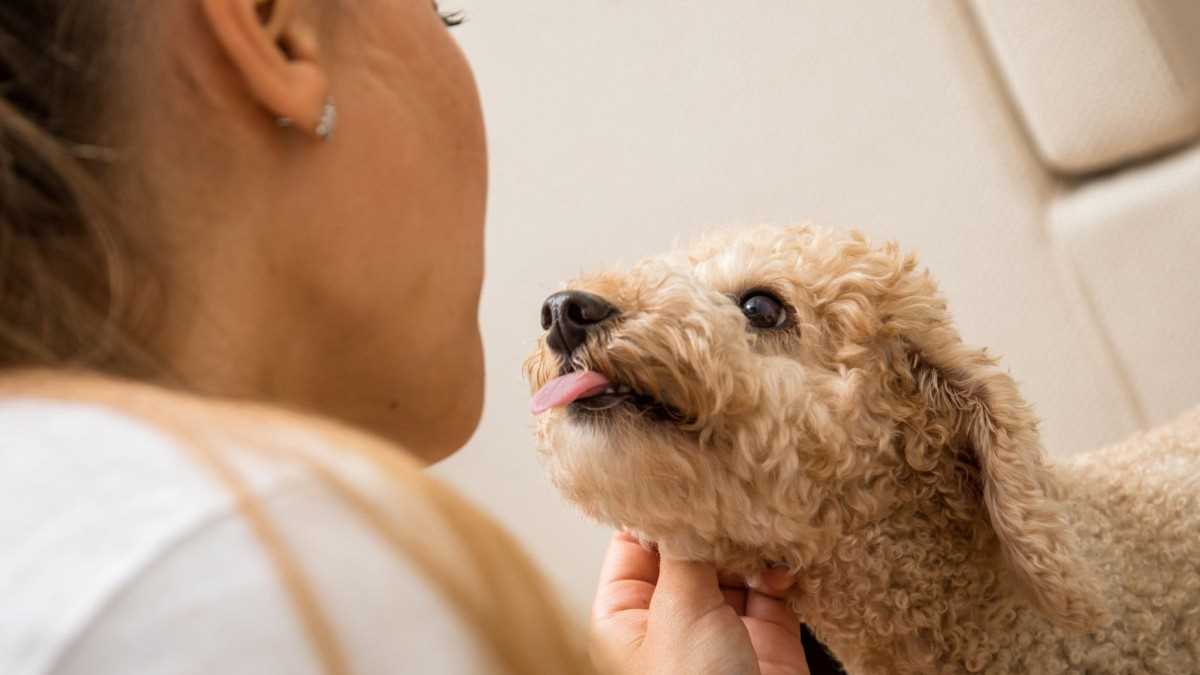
801 397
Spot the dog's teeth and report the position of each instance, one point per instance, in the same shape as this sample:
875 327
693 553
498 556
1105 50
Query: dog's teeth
610 390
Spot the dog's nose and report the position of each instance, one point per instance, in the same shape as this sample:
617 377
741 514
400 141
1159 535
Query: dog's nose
570 315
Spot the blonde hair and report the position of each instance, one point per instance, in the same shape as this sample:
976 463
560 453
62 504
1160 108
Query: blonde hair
518 621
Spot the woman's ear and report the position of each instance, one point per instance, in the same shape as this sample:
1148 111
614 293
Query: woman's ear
274 47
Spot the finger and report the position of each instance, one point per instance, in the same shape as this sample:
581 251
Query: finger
728 580
627 578
773 611
735 598
688 586
628 560
778 653
792 664
775 635
775 581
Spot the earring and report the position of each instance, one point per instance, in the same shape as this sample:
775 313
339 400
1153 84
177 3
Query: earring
328 122
325 125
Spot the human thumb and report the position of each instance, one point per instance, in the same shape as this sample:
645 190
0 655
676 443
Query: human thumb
686 587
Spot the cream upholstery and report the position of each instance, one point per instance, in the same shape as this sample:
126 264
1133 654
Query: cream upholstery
1132 243
1099 82
619 127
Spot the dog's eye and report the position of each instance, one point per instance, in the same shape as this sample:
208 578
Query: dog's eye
763 310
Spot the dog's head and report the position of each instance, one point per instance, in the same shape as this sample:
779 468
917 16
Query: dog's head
774 390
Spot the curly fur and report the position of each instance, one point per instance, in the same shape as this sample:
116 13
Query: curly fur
894 468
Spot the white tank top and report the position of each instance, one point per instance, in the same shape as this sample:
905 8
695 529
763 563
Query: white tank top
119 553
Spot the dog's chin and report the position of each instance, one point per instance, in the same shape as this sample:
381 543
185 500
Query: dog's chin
623 405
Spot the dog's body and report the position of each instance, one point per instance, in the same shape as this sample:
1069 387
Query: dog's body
1135 510
801 397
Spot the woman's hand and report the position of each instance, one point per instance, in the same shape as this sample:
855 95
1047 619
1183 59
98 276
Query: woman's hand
657 616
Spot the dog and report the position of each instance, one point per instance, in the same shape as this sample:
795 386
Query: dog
801 397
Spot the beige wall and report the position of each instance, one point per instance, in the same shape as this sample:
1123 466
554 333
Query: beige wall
618 127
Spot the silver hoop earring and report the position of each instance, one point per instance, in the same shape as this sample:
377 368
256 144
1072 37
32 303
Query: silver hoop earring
328 122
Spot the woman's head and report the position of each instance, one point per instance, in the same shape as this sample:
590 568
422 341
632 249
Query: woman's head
249 258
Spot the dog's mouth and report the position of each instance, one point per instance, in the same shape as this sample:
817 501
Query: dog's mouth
593 395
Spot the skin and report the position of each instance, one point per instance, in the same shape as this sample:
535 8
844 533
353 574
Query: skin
349 270
655 615
343 278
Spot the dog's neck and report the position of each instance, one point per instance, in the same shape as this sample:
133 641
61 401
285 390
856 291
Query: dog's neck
914 592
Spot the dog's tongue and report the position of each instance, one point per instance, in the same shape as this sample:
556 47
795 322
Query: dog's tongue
570 387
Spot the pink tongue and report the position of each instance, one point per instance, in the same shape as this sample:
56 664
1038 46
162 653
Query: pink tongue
570 387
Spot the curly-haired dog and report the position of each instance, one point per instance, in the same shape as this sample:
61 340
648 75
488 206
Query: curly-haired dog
799 396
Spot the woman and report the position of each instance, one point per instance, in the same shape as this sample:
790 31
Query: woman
226 224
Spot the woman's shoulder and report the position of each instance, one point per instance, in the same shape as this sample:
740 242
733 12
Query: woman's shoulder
106 445
110 434
155 532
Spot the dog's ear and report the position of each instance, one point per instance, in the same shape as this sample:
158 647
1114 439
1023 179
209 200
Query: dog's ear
966 400
963 409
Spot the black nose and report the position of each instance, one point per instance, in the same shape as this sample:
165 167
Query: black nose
570 315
